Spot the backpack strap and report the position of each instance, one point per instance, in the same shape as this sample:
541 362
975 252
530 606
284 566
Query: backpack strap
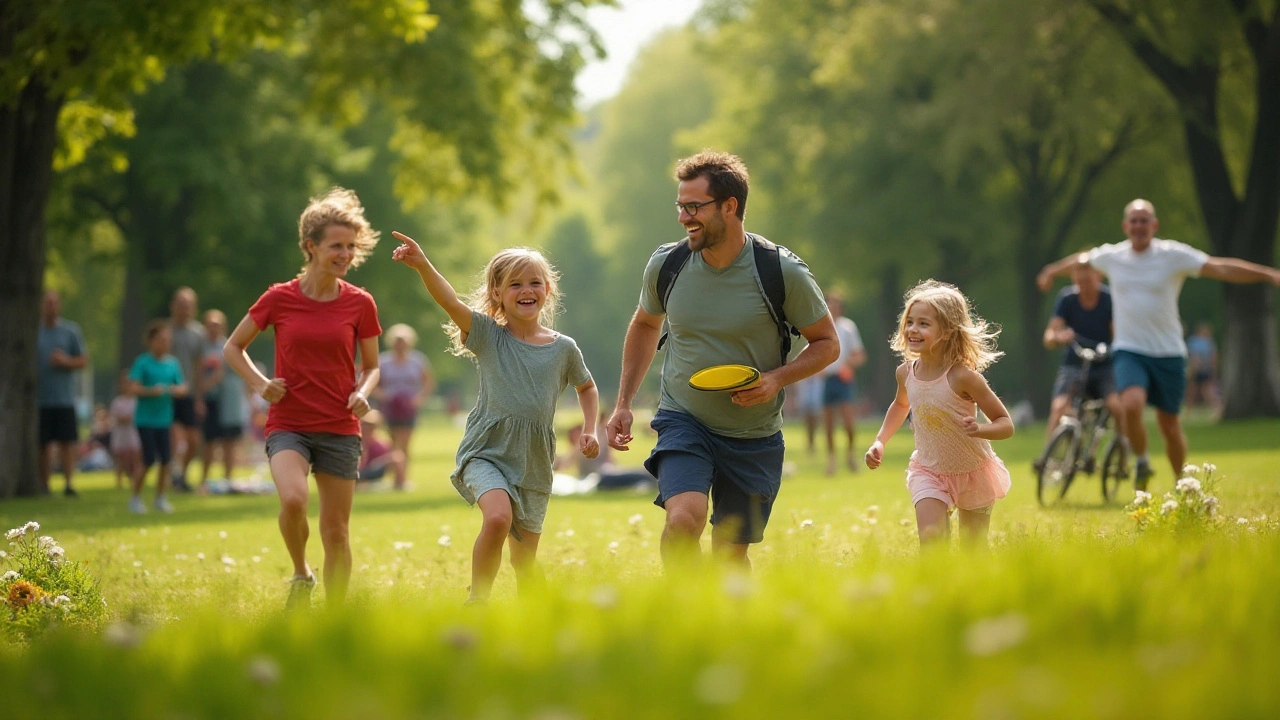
671 267
768 257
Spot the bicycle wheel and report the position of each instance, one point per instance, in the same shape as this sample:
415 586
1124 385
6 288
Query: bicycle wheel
1114 469
1057 466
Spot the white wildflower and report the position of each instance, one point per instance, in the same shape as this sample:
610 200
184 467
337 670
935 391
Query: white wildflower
16 533
3 554
1242 521
445 541
1211 504
32 526
199 556
873 510
10 576
137 563
255 558
1209 468
635 519
806 523
613 547
45 542
222 534
228 560
401 545
1187 485
872 521
1141 498
568 533
1168 507
56 554
1190 469
61 599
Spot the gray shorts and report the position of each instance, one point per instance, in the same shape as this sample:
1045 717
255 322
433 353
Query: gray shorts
528 507
328 453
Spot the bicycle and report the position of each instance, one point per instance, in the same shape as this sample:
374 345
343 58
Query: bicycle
1074 445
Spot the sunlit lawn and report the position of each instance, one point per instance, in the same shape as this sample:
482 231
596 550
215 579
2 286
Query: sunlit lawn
1073 613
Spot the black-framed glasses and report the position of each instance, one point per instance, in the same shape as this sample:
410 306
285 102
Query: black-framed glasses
692 208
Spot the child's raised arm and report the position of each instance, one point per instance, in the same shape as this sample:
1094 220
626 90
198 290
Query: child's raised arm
893 420
971 383
410 253
589 400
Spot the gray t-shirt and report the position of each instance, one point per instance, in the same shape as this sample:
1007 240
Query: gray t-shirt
719 316
56 387
512 424
189 345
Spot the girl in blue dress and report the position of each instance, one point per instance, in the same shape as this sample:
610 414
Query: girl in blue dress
504 461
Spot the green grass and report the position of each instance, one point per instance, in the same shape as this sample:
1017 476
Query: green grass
1073 612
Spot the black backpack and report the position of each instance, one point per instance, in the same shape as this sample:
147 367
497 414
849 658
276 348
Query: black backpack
768 257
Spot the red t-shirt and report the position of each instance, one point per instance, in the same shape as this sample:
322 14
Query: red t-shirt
316 354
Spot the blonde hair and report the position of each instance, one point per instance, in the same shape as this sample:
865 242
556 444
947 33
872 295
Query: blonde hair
487 296
338 206
401 330
966 338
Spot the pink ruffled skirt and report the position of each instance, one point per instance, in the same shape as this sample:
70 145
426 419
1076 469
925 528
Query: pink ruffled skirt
977 489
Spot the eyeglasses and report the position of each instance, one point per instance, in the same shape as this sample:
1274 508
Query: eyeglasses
692 208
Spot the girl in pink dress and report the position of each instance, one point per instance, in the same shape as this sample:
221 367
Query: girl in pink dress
126 447
945 348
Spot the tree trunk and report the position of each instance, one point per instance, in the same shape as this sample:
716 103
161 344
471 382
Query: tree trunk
28 134
881 384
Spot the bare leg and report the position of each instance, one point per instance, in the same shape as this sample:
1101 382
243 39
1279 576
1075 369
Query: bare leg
974 527
1116 408
686 519
46 467
400 437
67 452
335 522
811 428
486 555
829 424
1175 441
846 413
1058 408
289 471
229 450
932 522
726 550
524 552
1133 399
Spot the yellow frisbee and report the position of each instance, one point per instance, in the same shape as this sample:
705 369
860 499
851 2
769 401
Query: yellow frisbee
720 378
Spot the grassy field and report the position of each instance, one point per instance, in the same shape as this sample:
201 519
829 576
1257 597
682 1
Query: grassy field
1072 613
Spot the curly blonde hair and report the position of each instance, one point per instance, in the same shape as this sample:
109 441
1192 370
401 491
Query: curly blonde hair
487 296
966 338
337 206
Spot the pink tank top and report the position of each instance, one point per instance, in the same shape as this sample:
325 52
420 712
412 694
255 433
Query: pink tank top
936 414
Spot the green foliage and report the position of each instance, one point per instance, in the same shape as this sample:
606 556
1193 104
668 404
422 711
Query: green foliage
45 589
1191 505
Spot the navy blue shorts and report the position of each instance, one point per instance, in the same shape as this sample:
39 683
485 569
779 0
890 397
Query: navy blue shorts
741 475
156 446
1101 381
1164 378
837 392
184 412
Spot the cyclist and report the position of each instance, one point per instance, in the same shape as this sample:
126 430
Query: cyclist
1082 314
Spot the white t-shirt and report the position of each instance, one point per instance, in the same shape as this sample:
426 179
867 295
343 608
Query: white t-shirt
850 343
1144 293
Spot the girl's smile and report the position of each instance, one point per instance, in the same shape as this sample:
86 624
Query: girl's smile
920 328
525 294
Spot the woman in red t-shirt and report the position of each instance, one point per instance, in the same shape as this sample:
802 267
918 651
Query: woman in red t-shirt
316 396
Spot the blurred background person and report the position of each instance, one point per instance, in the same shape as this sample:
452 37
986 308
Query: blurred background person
377 455
406 384
839 389
60 352
188 348
156 380
1202 368
223 393
126 447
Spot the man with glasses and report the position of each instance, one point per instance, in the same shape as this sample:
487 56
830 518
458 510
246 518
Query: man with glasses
1150 358
718 448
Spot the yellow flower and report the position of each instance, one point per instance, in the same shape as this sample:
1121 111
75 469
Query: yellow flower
23 593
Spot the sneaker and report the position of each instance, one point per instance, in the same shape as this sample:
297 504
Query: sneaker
300 587
1141 473
70 492
136 506
162 504
180 483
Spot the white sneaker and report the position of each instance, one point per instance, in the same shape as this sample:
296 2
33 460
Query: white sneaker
162 504
136 506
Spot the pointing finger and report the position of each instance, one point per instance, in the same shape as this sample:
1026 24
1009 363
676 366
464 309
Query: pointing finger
401 236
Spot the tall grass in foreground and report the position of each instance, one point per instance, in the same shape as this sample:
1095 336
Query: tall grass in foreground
1152 626
1074 612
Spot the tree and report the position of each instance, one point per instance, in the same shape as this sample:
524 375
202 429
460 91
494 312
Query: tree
1209 55
497 81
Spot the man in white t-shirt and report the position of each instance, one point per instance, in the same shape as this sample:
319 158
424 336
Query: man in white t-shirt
1146 275
838 389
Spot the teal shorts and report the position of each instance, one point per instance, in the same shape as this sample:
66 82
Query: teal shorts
1164 378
